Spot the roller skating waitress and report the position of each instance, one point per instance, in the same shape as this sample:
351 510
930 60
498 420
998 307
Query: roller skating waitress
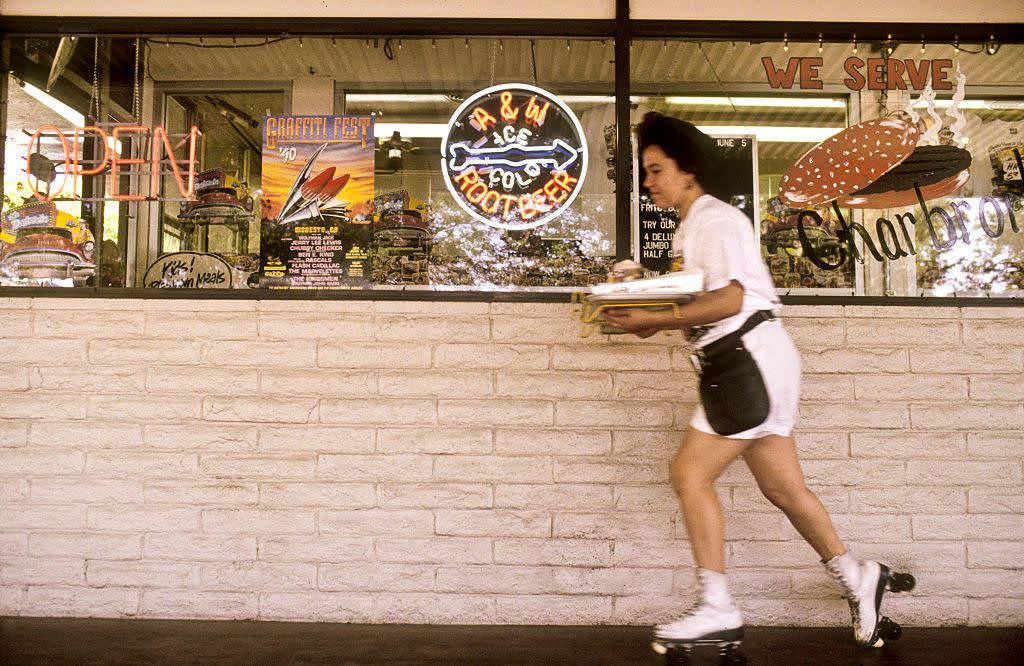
750 385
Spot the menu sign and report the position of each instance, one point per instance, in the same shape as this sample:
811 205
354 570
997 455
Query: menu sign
514 156
317 201
737 185
657 226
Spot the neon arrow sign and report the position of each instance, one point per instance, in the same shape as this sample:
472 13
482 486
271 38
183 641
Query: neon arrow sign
514 156
558 155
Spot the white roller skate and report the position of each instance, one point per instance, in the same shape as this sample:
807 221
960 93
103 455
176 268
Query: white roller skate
864 583
714 620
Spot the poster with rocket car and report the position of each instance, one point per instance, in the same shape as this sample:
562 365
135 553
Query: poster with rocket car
318 192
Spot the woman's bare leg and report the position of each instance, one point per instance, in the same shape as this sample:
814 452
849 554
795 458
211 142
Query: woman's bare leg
773 462
701 459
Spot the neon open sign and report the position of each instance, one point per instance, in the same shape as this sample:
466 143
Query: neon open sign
514 156
74 163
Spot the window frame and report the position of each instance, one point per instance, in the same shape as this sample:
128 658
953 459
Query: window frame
621 30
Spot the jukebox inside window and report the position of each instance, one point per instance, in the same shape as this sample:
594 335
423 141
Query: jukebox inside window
52 230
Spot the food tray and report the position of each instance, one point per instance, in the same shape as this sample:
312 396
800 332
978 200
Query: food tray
588 308
658 298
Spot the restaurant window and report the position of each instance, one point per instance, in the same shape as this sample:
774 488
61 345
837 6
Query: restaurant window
222 219
956 108
538 208
719 87
58 226
309 163
455 163
973 240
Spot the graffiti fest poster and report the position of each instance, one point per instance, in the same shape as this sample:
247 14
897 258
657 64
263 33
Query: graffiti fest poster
317 202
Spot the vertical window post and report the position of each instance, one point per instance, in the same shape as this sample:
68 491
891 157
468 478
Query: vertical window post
623 147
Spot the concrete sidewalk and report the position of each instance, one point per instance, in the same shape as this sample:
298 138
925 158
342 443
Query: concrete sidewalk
104 641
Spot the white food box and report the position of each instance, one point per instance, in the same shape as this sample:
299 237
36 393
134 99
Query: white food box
680 282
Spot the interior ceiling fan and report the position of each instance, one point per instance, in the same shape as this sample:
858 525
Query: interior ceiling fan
396 146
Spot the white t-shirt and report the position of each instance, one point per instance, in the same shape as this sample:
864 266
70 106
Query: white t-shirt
719 239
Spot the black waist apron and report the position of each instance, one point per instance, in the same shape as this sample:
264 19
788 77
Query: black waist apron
732 388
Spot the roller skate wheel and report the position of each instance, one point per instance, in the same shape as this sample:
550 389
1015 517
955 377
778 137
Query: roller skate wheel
902 582
879 643
889 630
659 648
676 657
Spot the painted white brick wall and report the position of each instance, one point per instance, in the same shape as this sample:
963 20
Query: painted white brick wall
480 463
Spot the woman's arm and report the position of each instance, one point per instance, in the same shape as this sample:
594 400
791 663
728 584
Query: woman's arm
708 308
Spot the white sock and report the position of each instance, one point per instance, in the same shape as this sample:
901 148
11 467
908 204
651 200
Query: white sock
715 587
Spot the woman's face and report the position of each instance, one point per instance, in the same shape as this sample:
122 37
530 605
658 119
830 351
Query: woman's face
664 179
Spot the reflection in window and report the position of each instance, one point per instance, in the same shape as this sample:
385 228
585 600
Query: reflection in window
574 249
450 247
44 240
985 254
420 236
69 92
223 216
762 88
784 128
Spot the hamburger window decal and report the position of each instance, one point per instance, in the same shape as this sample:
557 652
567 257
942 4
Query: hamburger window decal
514 156
899 163
848 162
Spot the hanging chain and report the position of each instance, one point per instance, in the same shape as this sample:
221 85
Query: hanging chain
533 59
717 78
94 93
676 58
494 56
136 85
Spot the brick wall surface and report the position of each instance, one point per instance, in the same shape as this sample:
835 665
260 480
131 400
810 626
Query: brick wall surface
480 463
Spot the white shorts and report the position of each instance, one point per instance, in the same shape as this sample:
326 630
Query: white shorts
779 361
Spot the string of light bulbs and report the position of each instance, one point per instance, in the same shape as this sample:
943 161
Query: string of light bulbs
991 46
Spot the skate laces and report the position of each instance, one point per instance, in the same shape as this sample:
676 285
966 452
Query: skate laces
696 608
837 572
850 594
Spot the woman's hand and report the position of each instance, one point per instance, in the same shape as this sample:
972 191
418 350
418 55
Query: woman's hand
706 309
638 321
646 332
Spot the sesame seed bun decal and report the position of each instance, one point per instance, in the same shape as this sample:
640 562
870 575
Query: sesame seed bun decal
848 162
935 170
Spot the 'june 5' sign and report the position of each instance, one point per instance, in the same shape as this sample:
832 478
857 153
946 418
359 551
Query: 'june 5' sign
514 156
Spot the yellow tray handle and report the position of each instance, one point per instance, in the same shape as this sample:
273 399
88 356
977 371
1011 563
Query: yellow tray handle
589 313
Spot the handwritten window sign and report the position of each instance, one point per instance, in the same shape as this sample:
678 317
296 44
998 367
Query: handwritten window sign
514 156
189 270
654 245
